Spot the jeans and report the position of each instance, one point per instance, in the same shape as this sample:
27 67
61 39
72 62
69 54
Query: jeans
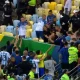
39 34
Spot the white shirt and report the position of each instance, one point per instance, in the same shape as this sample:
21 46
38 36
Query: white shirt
36 61
5 56
39 26
49 64
68 4
22 30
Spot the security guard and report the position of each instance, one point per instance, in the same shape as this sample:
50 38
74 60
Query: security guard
75 20
7 13
31 7
73 56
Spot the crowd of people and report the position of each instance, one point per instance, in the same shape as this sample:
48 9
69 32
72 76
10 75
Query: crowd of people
32 65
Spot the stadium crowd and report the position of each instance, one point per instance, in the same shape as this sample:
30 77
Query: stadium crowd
36 65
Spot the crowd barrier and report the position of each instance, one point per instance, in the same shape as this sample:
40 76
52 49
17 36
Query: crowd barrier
33 46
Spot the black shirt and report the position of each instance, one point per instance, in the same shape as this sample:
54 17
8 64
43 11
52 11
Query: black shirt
63 32
9 48
25 66
46 33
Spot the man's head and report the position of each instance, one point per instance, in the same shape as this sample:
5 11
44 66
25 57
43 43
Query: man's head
43 16
22 19
38 52
8 43
50 12
57 28
17 52
46 71
75 12
7 2
25 53
24 58
61 12
33 69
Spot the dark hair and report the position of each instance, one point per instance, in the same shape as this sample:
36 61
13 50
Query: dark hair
38 52
50 10
65 43
49 57
46 70
26 48
72 44
4 48
17 52
14 48
8 42
70 32
24 57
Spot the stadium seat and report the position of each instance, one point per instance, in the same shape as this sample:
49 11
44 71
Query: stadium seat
34 26
28 17
34 18
58 22
31 22
45 11
15 23
52 5
76 3
62 2
57 16
7 34
45 5
2 28
39 11
1 36
28 27
54 12
28 33
73 8
35 39
33 34
41 40
24 15
59 7
15 3
58 1
10 28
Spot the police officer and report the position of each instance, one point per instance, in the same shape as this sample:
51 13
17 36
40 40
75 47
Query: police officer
7 13
64 20
75 20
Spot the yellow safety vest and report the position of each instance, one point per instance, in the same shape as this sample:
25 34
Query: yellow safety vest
32 3
73 56
65 77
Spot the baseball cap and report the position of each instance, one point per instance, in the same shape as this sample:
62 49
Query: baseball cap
75 11
6 2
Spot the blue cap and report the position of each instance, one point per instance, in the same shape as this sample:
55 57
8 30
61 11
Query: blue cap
68 38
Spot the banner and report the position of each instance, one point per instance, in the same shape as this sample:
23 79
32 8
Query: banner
32 45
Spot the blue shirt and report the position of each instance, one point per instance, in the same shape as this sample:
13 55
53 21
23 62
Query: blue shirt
22 24
18 59
48 77
13 54
65 54
50 18
45 22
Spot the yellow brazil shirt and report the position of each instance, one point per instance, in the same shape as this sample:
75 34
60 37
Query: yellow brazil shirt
41 63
